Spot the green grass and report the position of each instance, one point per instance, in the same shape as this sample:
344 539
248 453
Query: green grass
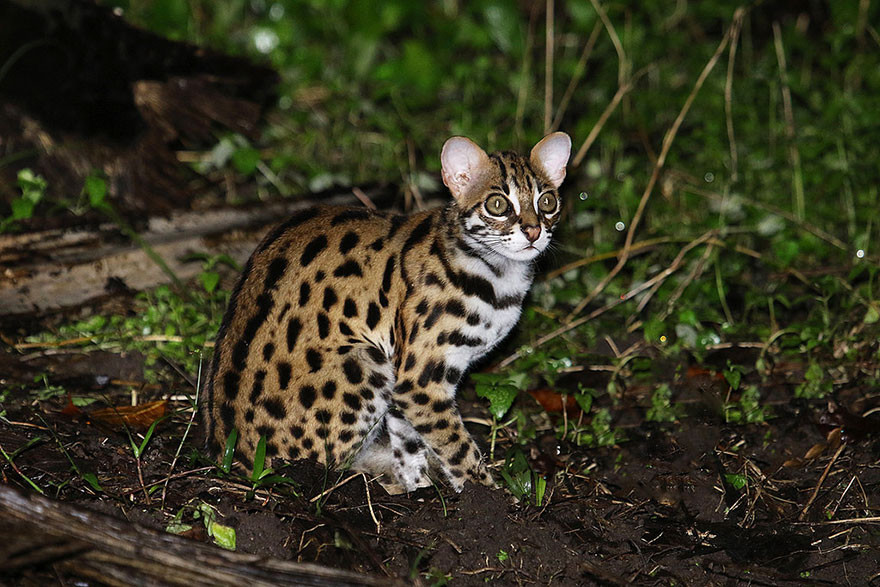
759 227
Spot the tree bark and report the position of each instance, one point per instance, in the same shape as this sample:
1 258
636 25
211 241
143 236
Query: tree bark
80 543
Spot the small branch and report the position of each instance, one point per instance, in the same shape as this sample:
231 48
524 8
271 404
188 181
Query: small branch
548 64
821 481
794 154
728 98
579 70
661 160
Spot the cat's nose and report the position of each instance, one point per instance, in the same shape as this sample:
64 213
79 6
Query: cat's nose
531 231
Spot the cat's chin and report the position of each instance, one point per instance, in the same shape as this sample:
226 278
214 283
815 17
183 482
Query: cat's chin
522 255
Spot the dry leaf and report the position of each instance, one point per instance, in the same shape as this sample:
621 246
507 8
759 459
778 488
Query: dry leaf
552 401
138 417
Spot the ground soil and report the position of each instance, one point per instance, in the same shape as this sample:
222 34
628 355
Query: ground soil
661 507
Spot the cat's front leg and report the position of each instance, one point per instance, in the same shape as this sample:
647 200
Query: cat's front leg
431 411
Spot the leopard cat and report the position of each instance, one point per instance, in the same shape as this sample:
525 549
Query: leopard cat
350 329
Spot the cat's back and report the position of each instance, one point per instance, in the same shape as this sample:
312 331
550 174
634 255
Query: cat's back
319 281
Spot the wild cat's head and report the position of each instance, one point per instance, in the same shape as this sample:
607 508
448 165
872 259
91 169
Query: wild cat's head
508 204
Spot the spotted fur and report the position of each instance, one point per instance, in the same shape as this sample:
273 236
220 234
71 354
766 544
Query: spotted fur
350 329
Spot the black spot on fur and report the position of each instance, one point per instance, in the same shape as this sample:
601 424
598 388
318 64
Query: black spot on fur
352 401
413 333
297 431
276 269
305 291
377 355
453 375
404 386
377 380
307 396
412 446
348 242
275 408
315 246
257 389
349 215
432 318
330 298
473 319
424 428
389 272
345 436
299 218
349 308
323 325
345 330
343 350
284 372
348 418
348 269
383 299
323 416
294 327
313 358
433 279
319 276
249 415
230 385
457 338
227 415
352 370
396 222
421 398
410 362
442 405
268 351
366 393
373 315
377 244
329 389
455 308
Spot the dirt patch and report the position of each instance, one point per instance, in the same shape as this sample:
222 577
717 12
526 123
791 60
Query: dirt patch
694 502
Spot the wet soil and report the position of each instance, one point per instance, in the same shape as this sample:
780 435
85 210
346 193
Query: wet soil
793 500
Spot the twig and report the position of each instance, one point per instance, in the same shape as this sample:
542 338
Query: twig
579 70
370 504
185 433
334 488
661 160
728 98
821 481
363 198
606 114
622 63
524 77
548 64
793 152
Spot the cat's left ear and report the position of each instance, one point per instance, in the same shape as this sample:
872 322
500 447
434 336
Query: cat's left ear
550 155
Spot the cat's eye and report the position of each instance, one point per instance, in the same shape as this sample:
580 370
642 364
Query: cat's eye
497 205
547 203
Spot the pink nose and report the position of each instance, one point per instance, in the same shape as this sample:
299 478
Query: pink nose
532 232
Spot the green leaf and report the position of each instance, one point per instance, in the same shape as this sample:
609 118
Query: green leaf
500 397
224 536
733 378
584 400
209 280
259 460
96 189
872 315
92 480
246 160
736 481
229 451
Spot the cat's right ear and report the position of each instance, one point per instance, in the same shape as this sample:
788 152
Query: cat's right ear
461 160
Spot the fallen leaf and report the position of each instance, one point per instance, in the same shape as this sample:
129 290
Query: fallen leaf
552 401
138 417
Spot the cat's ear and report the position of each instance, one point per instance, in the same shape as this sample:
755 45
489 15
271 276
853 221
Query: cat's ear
550 155
462 161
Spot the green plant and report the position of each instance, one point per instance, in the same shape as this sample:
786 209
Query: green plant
662 408
33 189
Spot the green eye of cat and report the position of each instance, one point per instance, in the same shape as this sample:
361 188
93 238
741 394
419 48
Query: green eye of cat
497 205
547 203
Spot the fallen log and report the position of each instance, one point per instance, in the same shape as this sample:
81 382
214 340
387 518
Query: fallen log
50 270
76 542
